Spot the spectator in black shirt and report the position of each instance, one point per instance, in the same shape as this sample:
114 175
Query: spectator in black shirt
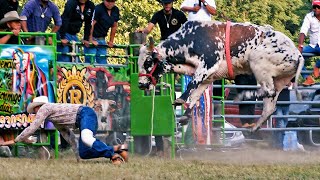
106 16
8 5
75 13
169 20
12 22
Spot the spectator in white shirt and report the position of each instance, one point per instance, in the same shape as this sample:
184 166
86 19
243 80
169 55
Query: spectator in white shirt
311 27
199 10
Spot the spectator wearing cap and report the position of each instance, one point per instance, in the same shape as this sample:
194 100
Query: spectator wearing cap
199 10
311 27
106 16
76 13
169 20
12 23
39 14
8 5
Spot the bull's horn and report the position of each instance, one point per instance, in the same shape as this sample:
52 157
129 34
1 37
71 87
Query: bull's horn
151 44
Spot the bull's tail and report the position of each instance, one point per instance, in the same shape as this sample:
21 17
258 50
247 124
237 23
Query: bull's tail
300 66
247 95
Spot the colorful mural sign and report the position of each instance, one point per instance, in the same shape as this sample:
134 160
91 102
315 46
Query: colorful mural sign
24 74
108 93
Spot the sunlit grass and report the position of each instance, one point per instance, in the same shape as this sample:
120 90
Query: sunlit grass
210 167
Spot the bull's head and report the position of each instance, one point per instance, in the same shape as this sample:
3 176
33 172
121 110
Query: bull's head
150 67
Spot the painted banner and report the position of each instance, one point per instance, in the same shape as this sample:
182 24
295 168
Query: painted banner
103 89
202 116
24 74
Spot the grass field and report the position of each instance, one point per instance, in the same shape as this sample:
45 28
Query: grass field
245 163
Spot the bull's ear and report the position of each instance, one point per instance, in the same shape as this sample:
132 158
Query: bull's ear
151 44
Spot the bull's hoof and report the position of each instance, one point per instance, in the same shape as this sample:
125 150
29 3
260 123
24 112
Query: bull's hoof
178 102
254 129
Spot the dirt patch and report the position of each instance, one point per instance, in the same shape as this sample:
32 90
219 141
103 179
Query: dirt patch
251 153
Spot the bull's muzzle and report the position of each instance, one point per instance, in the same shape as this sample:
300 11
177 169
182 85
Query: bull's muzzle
143 86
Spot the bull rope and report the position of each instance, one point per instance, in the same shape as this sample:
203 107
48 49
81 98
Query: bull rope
152 117
47 151
227 48
152 120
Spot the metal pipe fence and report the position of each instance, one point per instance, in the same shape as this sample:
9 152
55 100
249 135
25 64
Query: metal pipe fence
259 102
271 129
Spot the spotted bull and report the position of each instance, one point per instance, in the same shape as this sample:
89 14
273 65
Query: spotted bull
198 49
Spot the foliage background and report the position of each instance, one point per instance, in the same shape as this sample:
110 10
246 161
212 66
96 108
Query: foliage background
285 16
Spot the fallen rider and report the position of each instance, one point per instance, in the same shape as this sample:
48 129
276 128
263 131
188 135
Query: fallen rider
66 116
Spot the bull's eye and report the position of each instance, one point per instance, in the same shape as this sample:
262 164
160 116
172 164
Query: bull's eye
147 65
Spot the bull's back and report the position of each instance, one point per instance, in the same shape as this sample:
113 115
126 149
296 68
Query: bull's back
277 52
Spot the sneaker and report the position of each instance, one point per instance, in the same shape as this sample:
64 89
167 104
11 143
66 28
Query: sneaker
309 81
300 147
316 72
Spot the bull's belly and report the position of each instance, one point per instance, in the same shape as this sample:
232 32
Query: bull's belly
220 70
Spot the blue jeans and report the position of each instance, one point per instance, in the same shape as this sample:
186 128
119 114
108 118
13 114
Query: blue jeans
66 49
309 49
280 123
99 50
88 120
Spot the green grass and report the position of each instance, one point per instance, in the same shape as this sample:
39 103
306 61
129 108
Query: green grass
209 167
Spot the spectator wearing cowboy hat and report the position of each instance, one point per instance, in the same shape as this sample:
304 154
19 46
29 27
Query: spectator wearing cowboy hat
311 27
65 116
12 23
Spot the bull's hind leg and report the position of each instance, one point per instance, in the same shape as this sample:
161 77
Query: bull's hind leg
269 103
269 94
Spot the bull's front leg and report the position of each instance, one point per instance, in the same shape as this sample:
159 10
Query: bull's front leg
184 69
185 95
200 75
194 97
183 98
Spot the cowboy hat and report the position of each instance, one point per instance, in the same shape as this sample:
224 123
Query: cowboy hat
12 16
38 101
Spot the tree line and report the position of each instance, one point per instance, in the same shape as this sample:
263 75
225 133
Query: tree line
285 16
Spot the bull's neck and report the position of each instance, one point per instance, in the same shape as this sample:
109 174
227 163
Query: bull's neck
171 56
